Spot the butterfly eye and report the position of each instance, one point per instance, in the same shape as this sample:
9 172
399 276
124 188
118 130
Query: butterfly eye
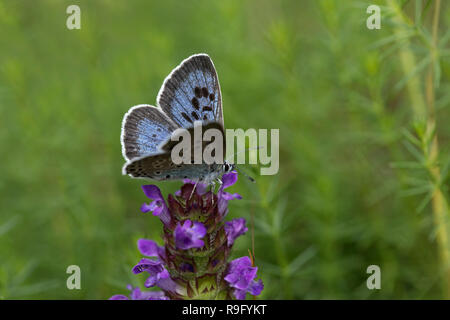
226 167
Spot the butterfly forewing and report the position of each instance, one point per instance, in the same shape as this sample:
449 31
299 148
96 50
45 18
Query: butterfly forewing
192 92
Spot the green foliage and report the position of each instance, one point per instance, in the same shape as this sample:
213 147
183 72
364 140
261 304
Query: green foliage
353 187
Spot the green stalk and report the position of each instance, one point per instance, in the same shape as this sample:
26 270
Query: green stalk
439 203
408 62
424 113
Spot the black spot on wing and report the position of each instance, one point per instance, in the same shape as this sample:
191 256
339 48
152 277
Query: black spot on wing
198 92
185 116
195 103
195 115
205 92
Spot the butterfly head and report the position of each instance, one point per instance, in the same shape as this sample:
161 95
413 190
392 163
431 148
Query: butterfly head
227 167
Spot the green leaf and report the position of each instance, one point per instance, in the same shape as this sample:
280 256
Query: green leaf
418 68
414 151
301 259
424 202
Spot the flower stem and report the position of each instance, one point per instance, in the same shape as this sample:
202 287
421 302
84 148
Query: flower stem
423 108
439 203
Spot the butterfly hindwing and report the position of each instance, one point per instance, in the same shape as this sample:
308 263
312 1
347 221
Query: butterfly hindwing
192 92
144 128
150 166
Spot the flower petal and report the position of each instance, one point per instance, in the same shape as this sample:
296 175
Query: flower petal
242 262
147 207
256 287
150 248
234 229
154 295
136 294
187 237
199 229
166 283
241 275
152 192
151 281
240 294
119 297
151 266
246 277
228 179
158 206
223 197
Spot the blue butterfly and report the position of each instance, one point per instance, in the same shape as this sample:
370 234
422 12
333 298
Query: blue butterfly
190 93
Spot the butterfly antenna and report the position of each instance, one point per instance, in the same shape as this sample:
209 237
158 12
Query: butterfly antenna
245 174
240 169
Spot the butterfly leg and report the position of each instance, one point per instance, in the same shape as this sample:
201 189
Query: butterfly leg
193 190
212 189
220 182
213 184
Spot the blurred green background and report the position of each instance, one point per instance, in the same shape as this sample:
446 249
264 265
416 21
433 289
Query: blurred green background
354 187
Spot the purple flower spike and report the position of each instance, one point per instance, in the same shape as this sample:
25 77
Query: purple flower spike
188 236
234 229
194 261
158 206
241 276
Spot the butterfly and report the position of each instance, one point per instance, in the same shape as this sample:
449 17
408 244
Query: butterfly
190 93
